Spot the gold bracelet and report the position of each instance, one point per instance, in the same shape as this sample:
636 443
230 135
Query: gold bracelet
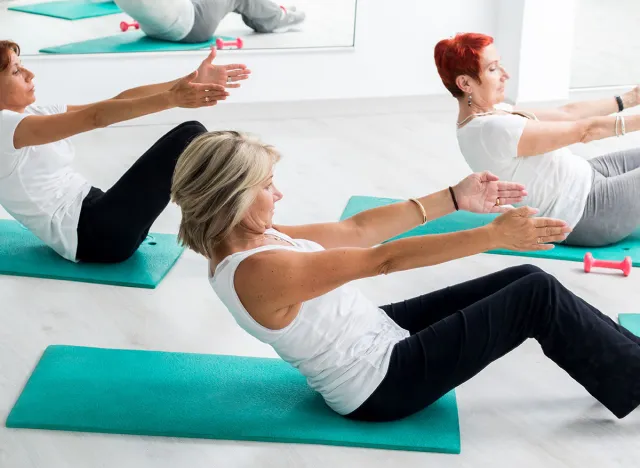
424 213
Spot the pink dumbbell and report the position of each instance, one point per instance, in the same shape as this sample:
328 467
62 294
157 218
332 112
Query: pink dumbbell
220 44
124 26
625 265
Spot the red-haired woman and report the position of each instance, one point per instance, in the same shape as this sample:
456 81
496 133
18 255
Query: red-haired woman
40 189
599 198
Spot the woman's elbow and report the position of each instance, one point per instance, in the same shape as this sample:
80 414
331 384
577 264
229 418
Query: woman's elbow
588 130
382 261
93 118
98 121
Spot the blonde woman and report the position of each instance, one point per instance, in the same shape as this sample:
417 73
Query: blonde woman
291 287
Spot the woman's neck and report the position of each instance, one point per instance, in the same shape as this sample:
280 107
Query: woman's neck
466 111
239 242
17 109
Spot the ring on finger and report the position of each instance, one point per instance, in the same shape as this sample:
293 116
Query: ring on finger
206 99
539 240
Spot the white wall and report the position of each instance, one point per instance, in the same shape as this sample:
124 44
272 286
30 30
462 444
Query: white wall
393 56
547 44
508 40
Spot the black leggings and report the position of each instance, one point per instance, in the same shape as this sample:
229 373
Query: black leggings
456 332
112 225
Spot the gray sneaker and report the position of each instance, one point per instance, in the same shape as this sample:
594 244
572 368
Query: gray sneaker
290 18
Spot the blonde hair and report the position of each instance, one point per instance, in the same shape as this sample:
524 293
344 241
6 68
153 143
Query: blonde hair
214 184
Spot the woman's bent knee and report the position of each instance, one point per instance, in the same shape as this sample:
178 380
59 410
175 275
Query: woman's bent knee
528 269
191 125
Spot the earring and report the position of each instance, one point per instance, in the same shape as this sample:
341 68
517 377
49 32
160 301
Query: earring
469 101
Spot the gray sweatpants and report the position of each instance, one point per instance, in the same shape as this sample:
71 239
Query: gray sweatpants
260 15
613 206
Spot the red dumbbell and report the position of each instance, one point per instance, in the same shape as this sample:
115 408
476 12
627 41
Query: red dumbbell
625 265
220 44
124 26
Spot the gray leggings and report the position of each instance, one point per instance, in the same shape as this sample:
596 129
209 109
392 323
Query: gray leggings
260 15
613 206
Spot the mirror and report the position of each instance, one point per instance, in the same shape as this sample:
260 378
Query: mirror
128 26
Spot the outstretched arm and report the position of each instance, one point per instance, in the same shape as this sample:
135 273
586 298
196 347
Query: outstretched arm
268 282
133 93
478 193
36 130
584 109
542 137
223 75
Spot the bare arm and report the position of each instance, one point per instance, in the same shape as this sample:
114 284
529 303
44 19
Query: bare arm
133 93
584 109
373 226
478 193
541 137
42 129
225 75
270 281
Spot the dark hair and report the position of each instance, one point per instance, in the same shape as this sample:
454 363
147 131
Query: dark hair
6 47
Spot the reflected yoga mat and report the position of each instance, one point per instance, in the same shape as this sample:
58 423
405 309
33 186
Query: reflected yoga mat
129 42
70 9
207 396
23 254
461 220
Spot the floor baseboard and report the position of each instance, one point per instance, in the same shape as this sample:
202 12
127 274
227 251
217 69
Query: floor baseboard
227 111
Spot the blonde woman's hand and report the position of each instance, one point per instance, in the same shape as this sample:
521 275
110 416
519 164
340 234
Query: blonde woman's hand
187 93
518 230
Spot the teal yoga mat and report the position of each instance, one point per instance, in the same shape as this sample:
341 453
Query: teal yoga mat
462 220
70 9
128 42
23 254
631 322
210 397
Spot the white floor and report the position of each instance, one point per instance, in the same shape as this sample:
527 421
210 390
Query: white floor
329 23
521 411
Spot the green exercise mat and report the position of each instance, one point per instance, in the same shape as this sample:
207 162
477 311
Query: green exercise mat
461 220
209 397
23 254
128 42
631 322
70 9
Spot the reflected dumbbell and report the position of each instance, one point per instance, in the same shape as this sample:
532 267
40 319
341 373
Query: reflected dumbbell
236 44
124 26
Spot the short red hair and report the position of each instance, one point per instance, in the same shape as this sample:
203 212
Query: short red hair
460 56
6 47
